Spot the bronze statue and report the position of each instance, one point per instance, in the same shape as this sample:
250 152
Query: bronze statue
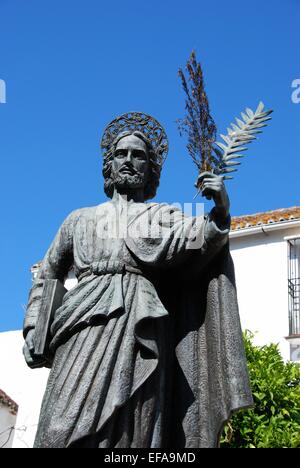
146 350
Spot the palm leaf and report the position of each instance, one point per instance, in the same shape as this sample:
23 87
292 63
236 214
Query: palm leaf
238 136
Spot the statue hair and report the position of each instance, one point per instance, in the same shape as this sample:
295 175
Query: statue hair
154 168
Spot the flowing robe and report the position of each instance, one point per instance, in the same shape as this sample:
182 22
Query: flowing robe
147 348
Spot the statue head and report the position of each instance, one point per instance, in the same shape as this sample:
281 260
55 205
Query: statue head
131 164
135 146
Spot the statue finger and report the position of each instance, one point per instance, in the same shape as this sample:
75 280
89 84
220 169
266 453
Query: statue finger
210 186
212 181
202 176
30 343
27 355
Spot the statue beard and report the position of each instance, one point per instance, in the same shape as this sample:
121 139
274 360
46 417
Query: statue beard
129 181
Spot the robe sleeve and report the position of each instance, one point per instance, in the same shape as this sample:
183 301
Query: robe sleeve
55 265
216 235
176 240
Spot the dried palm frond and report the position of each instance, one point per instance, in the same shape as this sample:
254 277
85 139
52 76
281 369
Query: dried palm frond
198 124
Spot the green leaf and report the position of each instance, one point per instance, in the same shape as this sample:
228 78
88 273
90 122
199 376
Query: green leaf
250 113
260 108
260 125
232 163
221 145
245 117
242 134
236 129
240 123
274 422
233 156
226 139
226 170
237 149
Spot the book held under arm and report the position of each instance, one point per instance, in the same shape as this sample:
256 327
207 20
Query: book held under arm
52 297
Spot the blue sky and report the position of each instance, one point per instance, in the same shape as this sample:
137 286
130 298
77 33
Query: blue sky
71 66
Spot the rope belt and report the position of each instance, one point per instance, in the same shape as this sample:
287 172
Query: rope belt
110 267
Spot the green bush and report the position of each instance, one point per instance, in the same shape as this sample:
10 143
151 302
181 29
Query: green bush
274 422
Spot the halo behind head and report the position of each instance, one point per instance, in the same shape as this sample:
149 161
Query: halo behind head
137 121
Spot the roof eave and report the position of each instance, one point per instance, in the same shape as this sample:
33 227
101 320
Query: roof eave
263 228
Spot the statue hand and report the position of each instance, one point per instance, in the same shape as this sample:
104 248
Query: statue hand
212 186
28 350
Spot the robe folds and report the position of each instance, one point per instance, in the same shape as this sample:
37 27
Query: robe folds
147 348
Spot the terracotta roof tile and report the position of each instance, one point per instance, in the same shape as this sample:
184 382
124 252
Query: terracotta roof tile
7 401
267 217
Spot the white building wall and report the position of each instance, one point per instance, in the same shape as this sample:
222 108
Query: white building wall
7 423
25 386
261 266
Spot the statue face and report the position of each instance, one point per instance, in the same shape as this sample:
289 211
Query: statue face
130 163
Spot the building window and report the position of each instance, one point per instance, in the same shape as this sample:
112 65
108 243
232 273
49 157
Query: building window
294 286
